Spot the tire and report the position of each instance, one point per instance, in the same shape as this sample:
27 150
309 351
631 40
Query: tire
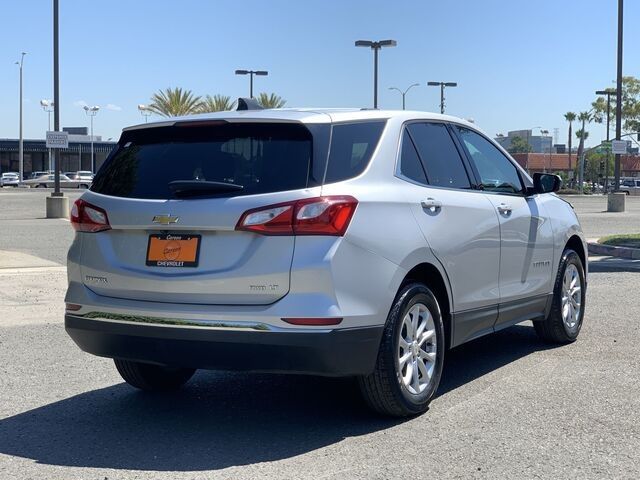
554 329
385 390
153 378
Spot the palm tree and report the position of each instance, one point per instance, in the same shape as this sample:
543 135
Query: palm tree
569 117
173 102
271 100
582 134
217 103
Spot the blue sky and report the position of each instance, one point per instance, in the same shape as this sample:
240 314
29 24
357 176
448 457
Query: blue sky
518 64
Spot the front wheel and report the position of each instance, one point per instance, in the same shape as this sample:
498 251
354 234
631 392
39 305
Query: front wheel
411 355
153 377
564 321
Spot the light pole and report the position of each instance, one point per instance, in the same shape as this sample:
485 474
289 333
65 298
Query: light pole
442 85
48 106
375 46
20 141
619 94
608 93
144 111
251 73
92 112
404 93
543 134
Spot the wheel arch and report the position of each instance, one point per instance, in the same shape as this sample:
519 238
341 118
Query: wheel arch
575 243
431 276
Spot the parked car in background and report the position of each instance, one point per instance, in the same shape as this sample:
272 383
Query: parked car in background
48 181
84 175
40 173
631 186
80 175
10 179
328 242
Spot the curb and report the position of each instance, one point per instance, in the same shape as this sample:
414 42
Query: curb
596 248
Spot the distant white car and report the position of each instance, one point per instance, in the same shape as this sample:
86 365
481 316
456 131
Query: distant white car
48 181
631 186
10 179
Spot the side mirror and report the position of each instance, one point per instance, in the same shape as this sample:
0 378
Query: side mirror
546 183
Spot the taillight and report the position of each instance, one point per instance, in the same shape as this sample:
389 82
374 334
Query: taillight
88 218
312 216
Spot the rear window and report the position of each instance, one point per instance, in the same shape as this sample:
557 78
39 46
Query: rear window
261 157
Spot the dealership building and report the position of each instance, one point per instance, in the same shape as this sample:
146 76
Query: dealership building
36 154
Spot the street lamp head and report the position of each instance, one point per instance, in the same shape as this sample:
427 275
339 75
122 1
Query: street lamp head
95 108
387 43
242 72
433 84
364 43
86 108
450 84
261 72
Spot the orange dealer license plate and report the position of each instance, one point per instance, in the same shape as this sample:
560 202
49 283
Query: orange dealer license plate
173 250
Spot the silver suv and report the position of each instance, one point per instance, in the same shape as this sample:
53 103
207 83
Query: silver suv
356 243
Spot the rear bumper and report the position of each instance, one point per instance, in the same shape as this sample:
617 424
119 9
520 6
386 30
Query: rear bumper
343 352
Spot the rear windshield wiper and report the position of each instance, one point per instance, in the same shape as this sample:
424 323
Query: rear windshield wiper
186 188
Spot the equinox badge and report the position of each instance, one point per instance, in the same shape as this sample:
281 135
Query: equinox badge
165 219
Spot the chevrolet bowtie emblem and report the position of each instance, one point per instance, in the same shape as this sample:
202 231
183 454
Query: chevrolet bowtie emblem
165 219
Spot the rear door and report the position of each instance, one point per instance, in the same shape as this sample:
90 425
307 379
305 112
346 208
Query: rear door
181 246
459 224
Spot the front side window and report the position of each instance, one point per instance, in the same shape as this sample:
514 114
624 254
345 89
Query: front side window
440 158
497 173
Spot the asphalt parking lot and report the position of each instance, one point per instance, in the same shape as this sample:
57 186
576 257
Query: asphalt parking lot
508 406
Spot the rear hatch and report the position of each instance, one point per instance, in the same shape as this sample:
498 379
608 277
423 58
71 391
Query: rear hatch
173 196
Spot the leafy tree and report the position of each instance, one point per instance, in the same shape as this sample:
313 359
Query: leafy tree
217 103
173 102
569 117
519 145
630 105
596 166
271 100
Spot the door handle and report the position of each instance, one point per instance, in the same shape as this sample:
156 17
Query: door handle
504 209
431 204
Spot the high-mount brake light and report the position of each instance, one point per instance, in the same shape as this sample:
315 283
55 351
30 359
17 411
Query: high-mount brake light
329 215
88 218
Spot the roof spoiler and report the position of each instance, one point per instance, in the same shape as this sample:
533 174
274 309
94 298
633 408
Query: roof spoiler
248 104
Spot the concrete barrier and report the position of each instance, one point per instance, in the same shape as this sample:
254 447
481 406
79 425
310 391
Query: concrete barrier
616 202
57 207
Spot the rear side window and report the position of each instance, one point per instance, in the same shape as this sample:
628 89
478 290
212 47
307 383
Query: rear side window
352 146
259 157
410 165
439 155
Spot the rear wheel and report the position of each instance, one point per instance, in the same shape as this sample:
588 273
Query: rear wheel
411 356
153 377
564 321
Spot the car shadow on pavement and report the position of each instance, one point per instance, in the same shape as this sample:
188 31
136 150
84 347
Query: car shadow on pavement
221 420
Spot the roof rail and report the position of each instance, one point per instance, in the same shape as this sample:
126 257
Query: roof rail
248 104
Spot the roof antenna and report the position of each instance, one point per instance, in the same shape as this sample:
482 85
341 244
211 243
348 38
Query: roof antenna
248 104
